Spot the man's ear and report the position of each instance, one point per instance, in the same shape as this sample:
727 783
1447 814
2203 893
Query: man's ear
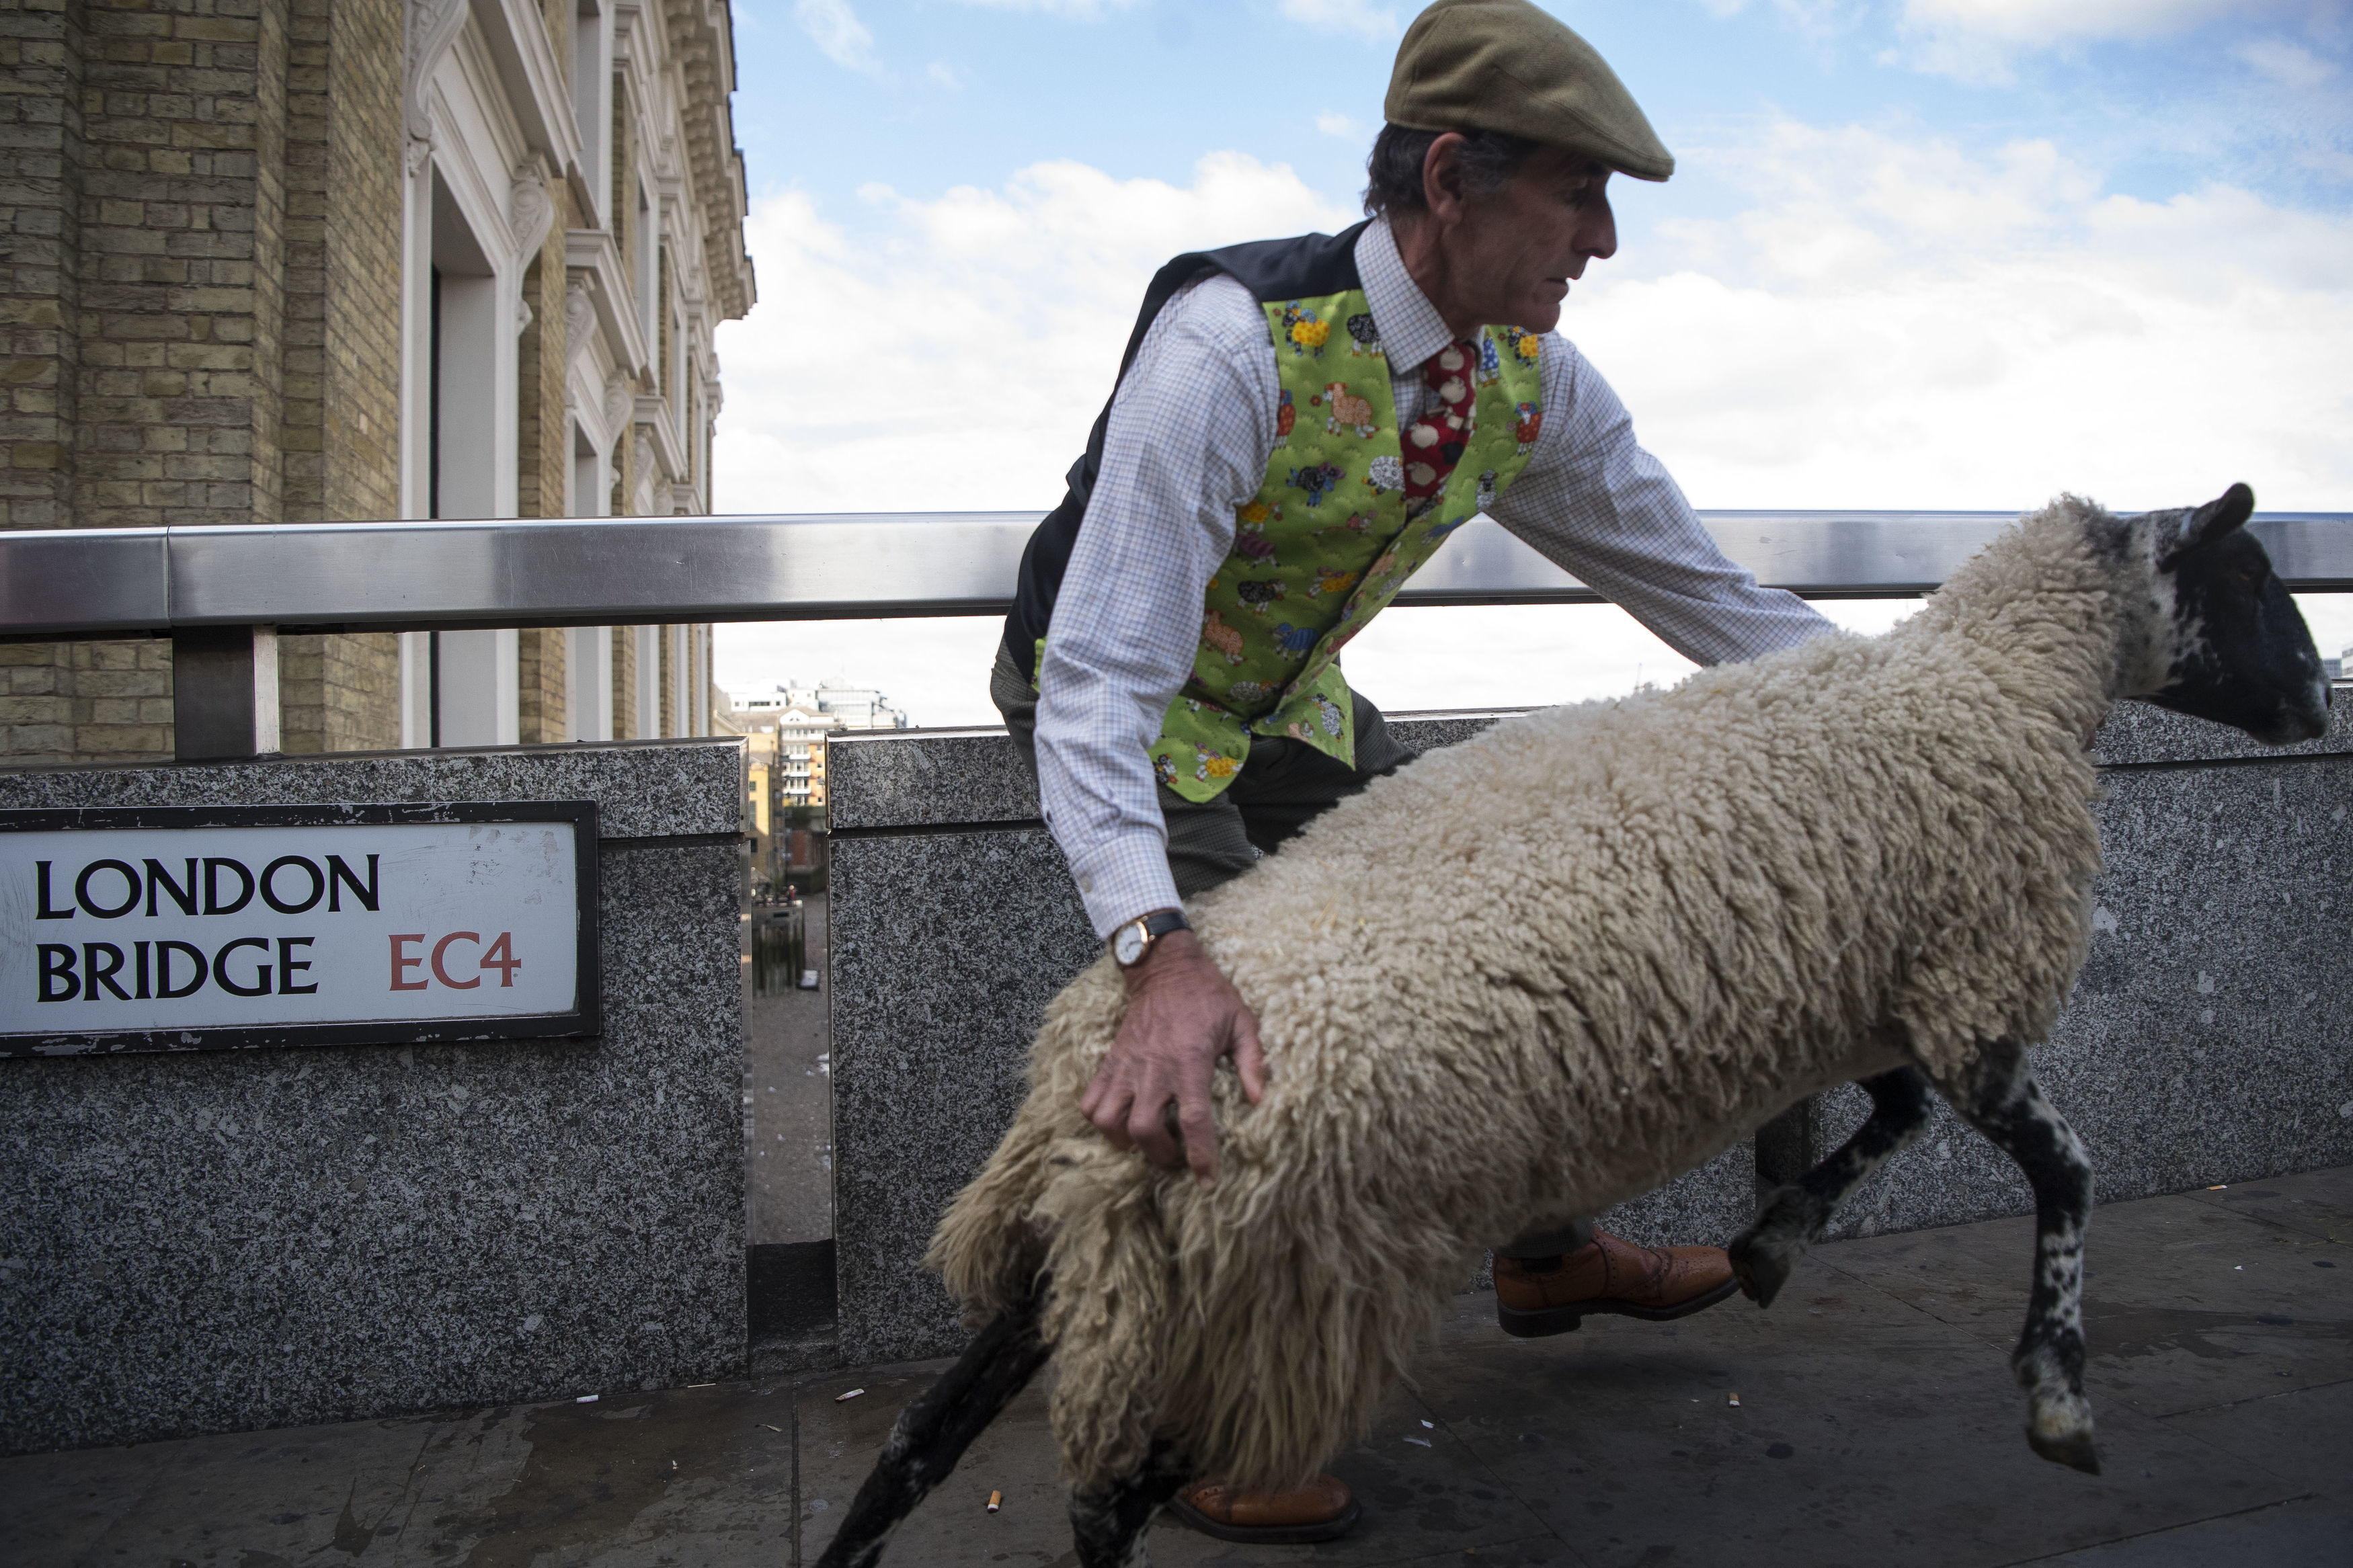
2225 514
1441 177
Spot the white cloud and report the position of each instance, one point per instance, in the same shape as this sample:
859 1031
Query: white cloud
1332 123
1894 322
1976 40
838 32
1363 16
2290 65
944 74
956 353
1906 326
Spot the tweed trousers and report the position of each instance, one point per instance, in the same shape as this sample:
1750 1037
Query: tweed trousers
1283 785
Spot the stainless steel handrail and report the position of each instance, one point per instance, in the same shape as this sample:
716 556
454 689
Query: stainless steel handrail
388 576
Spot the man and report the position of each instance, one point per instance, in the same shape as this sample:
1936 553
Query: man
1297 426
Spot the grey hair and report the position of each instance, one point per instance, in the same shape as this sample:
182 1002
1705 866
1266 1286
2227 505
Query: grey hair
1393 171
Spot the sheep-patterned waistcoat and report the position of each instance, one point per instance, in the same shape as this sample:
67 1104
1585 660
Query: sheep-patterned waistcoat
1329 539
1326 542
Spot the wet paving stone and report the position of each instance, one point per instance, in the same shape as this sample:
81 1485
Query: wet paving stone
1877 1425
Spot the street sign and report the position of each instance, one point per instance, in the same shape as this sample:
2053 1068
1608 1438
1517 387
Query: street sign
205 928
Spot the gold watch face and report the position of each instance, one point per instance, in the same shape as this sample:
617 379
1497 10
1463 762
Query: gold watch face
1128 942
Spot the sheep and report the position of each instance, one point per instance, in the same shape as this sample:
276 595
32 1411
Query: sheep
1645 927
1349 410
1226 640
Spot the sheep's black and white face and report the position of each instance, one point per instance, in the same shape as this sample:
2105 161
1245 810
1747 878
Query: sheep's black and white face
2240 653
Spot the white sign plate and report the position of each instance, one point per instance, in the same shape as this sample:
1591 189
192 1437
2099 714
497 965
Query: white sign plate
188 928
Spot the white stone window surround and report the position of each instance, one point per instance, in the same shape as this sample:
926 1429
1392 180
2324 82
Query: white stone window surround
592 104
587 651
476 205
648 681
592 259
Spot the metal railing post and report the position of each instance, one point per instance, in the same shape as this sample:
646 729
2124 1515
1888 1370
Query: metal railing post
223 692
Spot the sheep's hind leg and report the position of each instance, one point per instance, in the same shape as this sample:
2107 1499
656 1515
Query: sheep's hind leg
932 1434
1793 1218
1107 1527
2002 1099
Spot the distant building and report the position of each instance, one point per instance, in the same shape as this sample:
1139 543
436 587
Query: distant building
791 723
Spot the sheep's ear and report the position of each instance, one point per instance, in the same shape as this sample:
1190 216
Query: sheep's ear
2225 514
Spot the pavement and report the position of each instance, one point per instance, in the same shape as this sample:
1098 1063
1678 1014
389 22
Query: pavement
788 1103
1876 1424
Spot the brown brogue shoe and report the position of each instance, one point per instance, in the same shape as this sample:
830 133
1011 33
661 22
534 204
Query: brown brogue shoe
1540 1296
1322 1509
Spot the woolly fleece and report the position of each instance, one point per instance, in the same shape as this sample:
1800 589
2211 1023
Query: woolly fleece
1639 929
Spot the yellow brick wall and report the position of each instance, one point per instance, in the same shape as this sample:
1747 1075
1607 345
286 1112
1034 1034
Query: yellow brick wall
196 334
546 456
342 342
152 132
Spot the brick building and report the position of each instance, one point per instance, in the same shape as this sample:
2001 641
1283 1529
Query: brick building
287 261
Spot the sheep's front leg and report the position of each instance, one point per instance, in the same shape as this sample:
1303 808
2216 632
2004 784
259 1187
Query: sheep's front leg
1794 1217
2002 1099
1107 1527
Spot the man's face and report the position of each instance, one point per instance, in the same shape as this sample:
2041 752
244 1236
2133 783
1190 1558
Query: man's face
1512 254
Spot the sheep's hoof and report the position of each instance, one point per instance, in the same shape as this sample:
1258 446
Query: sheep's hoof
2073 1449
1761 1270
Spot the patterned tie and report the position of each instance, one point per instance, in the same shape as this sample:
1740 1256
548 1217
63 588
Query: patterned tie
1433 444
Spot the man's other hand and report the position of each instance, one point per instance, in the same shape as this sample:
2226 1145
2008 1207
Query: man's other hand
1182 1015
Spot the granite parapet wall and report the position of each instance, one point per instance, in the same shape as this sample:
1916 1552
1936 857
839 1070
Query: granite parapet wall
230 1240
2206 1042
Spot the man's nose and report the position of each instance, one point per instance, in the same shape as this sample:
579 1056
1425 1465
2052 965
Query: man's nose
1597 235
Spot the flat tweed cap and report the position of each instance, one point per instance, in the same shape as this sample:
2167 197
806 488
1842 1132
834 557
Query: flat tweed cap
1503 65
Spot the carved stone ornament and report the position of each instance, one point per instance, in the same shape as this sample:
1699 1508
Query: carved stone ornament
523 316
618 401
530 207
579 316
433 26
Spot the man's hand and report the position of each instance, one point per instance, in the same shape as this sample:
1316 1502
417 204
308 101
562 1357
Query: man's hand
1182 1015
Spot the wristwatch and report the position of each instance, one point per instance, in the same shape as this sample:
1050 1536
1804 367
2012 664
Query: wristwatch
1131 941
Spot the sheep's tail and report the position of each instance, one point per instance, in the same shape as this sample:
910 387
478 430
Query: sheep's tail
991 1245
989 1249
932 1434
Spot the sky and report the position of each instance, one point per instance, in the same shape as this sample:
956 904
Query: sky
1938 253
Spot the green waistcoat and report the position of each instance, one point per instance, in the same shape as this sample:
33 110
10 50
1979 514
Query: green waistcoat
1326 543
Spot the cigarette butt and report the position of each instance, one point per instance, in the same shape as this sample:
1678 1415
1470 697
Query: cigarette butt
703 1385
994 1499
775 1429
585 1399
852 1394
2219 1187
1733 1399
